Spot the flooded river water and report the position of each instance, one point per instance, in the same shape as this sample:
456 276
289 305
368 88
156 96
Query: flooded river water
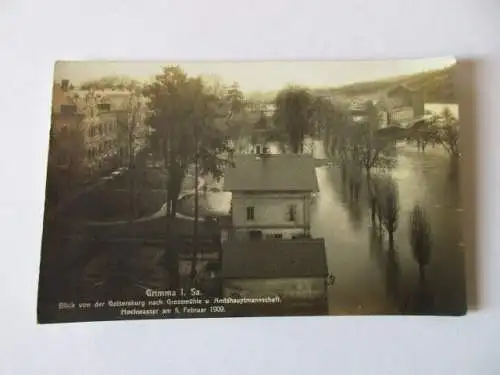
368 279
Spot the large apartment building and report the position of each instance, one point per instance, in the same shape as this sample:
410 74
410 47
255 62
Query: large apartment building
93 118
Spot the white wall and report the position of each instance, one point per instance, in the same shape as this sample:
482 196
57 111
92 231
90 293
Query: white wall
402 115
270 209
438 108
287 234
303 288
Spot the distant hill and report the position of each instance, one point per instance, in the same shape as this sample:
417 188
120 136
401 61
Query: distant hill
437 84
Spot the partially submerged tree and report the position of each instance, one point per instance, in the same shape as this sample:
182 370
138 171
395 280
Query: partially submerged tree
389 208
420 239
293 115
447 130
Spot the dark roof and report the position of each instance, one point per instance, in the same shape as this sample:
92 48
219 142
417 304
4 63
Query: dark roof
275 172
360 105
401 87
270 259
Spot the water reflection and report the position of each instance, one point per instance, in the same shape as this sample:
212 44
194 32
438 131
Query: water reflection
392 275
368 274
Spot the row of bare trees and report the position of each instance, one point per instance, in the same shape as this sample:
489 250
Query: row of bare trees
440 129
385 214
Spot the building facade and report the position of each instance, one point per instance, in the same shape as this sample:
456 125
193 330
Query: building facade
99 122
364 113
292 272
271 196
270 215
405 104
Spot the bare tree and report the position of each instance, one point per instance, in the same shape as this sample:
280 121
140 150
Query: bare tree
420 239
133 133
447 131
389 208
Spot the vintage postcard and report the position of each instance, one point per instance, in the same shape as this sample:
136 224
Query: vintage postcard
219 189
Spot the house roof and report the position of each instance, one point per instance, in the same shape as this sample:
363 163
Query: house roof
401 87
270 259
276 172
117 99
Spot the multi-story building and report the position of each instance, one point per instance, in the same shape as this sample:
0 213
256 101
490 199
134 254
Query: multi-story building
267 250
102 120
404 104
271 195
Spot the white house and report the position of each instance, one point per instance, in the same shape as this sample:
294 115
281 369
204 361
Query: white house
271 196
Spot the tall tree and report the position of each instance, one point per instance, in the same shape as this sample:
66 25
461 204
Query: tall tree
389 206
182 107
235 99
65 160
449 132
133 133
420 239
293 115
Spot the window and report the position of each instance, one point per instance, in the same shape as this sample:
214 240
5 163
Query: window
104 106
292 213
68 109
250 213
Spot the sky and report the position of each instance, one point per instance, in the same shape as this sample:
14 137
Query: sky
257 76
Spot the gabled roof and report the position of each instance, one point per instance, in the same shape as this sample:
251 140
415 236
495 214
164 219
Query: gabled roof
271 259
276 172
402 87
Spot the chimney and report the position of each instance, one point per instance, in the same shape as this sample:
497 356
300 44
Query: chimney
65 84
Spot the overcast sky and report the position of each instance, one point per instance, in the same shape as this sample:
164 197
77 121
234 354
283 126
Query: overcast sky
258 76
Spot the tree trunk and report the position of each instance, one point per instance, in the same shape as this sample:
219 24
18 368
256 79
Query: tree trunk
391 240
131 170
373 206
421 273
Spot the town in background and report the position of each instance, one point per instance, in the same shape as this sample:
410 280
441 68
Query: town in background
339 200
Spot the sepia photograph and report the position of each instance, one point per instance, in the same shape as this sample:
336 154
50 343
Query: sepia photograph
251 189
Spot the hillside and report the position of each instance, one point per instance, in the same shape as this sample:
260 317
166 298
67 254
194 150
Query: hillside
438 85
